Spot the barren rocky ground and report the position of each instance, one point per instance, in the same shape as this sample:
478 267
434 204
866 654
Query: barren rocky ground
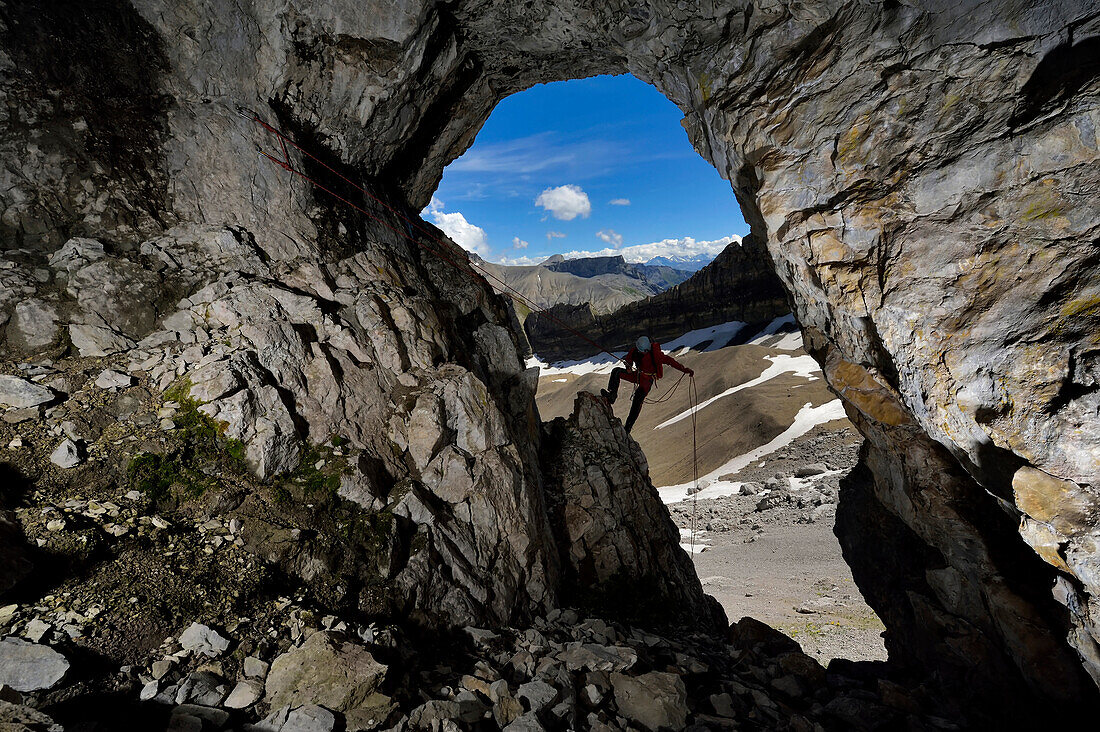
772 555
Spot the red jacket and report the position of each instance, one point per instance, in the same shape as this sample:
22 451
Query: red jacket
652 362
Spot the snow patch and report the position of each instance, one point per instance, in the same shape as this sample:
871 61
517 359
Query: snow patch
790 342
774 327
807 418
801 484
787 341
601 364
718 335
692 547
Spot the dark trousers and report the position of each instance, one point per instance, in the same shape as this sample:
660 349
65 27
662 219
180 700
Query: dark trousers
644 382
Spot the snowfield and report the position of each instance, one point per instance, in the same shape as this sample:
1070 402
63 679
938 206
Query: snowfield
807 418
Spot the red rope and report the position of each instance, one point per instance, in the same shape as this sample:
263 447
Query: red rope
486 274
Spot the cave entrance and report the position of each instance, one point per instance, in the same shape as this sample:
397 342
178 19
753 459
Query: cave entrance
588 198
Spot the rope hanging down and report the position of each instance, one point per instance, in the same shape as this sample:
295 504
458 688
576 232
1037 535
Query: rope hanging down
286 165
693 396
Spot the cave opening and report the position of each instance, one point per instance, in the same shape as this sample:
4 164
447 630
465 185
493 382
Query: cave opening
587 197
942 272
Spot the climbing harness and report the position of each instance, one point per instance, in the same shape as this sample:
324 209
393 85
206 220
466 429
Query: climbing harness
442 253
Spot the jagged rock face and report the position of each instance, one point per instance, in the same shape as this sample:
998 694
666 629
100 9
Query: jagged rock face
923 174
619 547
288 323
398 360
740 284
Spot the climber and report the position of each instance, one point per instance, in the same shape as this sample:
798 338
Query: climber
644 366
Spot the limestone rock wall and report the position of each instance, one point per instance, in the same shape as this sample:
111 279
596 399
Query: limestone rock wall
343 366
924 175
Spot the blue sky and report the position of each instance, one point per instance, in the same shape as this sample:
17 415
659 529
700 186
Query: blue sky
585 167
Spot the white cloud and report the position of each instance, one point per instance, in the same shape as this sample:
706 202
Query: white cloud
620 201
523 261
685 247
468 236
554 235
565 202
518 243
610 236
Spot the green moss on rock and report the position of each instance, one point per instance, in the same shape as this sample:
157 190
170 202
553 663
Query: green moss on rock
199 455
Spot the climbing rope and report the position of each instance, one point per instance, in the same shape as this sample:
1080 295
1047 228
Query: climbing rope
446 247
693 397
667 395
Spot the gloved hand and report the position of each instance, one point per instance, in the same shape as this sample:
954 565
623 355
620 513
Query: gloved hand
691 372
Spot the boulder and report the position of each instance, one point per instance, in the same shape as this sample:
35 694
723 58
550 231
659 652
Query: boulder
620 549
255 668
20 393
67 454
751 635
203 688
76 253
96 340
244 694
18 718
538 695
465 708
807 471
654 700
203 640
122 294
775 499
28 666
329 671
307 718
579 656
203 713
33 326
113 380
528 722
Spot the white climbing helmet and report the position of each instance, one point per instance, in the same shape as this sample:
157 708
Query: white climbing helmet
643 344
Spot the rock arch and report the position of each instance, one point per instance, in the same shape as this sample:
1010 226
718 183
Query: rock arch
924 175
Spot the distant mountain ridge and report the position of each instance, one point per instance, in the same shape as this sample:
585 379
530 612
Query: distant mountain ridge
688 264
602 283
740 284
